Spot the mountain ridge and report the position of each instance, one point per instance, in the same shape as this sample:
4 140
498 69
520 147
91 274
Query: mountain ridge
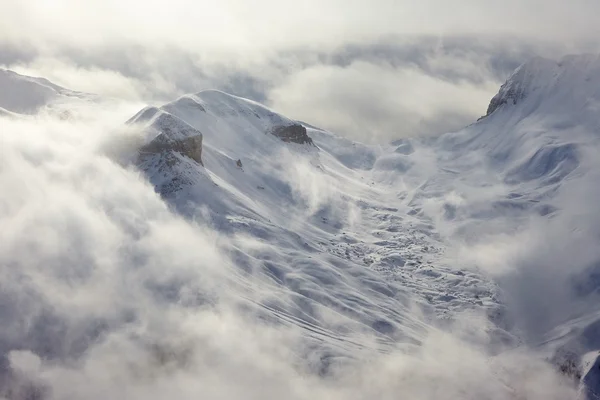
373 248
22 94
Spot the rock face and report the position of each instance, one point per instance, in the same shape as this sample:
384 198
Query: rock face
508 94
294 133
528 78
190 147
173 134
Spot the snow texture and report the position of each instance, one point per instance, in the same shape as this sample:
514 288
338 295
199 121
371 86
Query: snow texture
367 249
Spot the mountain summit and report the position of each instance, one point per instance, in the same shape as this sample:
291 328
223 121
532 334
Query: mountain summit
569 85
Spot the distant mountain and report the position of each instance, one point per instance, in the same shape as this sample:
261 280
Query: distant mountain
23 94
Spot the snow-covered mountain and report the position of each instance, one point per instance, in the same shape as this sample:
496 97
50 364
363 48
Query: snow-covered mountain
23 94
533 161
264 176
391 210
489 233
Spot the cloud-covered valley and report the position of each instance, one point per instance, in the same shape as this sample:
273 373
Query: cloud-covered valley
107 292
333 221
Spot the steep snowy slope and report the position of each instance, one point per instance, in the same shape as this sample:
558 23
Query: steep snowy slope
334 210
23 94
279 260
529 169
541 132
337 238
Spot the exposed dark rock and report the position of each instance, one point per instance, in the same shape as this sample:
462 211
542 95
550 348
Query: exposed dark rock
568 364
510 93
173 135
239 163
294 133
190 146
523 82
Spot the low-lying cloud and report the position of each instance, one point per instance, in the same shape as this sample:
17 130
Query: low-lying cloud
107 292
311 63
381 103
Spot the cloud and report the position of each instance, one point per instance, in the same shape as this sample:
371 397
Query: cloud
546 266
107 292
155 52
381 103
234 26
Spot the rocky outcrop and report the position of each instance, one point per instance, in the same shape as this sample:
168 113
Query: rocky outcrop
568 364
190 147
294 133
509 94
173 135
530 77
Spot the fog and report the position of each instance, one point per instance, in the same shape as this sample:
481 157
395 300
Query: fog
107 292
315 61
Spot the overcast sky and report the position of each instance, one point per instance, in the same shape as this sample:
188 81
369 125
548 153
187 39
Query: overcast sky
371 70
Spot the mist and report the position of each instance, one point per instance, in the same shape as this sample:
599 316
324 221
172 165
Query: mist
107 292
404 251
303 63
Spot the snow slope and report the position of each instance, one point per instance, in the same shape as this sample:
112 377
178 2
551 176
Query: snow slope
342 239
23 94
341 210
529 168
489 233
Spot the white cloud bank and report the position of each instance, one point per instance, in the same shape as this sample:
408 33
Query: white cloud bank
107 293
289 53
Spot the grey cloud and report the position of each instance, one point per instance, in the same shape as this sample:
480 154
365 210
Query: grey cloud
159 76
156 53
188 71
106 292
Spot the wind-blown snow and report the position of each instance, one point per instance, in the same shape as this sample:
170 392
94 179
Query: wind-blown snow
241 265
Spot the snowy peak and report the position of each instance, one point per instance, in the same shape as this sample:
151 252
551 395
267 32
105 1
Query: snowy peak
225 133
23 94
524 80
224 105
574 78
165 133
224 117
232 124
161 123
